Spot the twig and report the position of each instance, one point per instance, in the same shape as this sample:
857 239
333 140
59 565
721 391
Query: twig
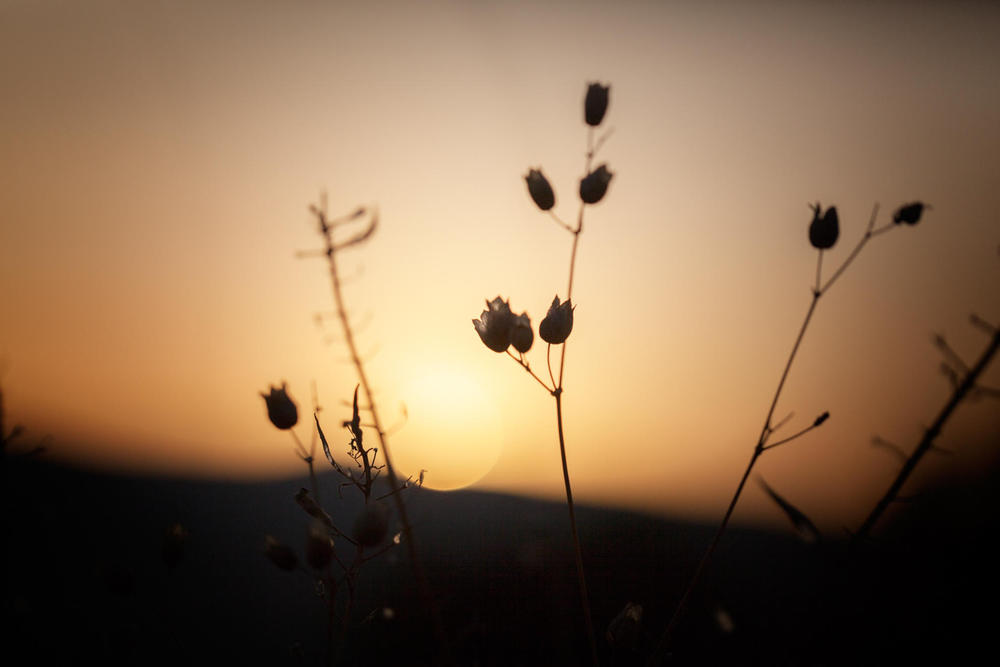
331 248
766 430
927 441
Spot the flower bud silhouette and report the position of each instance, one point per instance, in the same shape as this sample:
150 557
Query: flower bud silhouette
558 322
595 104
909 213
521 335
824 230
540 190
495 324
594 186
280 554
371 525
280 408
319 545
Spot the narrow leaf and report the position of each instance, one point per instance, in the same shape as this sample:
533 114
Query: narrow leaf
805 528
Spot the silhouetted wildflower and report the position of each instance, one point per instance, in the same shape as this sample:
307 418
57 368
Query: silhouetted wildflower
540 190
623 631
495 324
558 322
371 525
909 213
594 186
319 545
595 104
280 408
521 335
824 230
279 554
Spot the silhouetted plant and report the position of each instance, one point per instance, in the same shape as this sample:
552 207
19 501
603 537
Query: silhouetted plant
964 379
367 536
824 231
500 329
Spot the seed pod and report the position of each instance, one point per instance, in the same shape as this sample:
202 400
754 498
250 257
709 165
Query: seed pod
521 335
371 525
623 631
495 324
558 322
594 186
909 213
540 190
824 230
281 555
319 545
595 104
280 408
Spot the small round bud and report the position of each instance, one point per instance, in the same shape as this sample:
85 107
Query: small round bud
595 104
558 322
594 186
280 408
824 230
540 190
495 324
280 554
371 525
909 213
319 545
521 336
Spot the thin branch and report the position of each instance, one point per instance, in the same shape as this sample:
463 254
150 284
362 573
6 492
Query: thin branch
930 435
423 584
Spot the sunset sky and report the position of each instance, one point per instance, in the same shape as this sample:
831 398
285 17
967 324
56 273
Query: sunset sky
159 159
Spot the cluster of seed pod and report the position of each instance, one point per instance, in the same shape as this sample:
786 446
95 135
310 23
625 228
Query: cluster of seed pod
499 328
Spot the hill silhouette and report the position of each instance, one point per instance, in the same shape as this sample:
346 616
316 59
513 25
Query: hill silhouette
85 579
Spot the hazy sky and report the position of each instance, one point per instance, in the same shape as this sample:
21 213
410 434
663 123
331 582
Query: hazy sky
159 158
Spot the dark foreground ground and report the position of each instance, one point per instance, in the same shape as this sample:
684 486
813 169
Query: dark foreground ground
84 579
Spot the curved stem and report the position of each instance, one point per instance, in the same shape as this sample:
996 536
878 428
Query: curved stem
664 643
423 585
580 575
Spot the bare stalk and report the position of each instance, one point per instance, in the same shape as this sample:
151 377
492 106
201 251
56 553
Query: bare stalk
557 394
330 250
766 431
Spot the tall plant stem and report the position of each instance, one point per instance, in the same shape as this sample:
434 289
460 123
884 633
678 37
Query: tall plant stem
419 574
766 431
930 435
580 575
664 642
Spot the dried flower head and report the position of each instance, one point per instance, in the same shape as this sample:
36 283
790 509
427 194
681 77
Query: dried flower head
594 186
540 190
495 324
371 525
595 104
909 213
824 230
558 322
521 335
280 554
624 629
280 408
319 545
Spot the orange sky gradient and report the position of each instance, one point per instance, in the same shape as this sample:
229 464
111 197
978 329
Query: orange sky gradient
159 159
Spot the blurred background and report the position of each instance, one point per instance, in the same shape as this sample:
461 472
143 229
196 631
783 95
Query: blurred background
160 158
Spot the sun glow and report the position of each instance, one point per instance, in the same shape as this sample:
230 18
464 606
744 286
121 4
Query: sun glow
453 430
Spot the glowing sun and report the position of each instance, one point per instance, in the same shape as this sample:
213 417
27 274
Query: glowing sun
453 430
